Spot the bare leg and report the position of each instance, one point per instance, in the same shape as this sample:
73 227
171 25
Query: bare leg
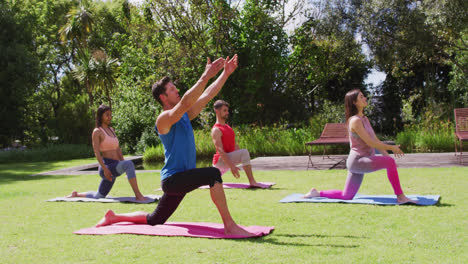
248 172
134 184
110 218
312 193
219 199
128 167
401 198
76 194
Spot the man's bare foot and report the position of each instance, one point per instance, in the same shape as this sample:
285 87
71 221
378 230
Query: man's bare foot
107 219
255 185
312 193
401 199
73 194
235 230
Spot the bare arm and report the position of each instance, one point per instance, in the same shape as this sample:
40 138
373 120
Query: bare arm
216 137
229 67
167 118
358 127
97 138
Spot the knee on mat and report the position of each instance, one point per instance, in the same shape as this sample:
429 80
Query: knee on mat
95 195
348 197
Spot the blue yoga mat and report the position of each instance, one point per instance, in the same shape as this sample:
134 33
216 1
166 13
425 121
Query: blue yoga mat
364 199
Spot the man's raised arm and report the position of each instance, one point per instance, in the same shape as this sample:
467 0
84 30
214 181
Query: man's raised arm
167 118
229 67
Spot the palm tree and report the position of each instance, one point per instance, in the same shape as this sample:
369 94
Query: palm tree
96 72
105 69
84 72
76 30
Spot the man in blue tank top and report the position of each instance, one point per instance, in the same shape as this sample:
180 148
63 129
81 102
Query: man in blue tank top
179 174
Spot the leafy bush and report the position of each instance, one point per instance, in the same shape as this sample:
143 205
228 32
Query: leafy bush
154 154
134 113
407 140
331 113
149 138
260 141
428 137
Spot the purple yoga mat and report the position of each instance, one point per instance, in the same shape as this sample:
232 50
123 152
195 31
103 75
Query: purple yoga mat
187 229
265 185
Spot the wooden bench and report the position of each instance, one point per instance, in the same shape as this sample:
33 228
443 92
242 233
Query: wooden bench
461 131
332 134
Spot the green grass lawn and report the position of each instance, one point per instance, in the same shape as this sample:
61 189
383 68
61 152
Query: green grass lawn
35 231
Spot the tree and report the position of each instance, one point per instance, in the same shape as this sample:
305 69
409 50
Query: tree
416 43
85 73
255 90
18 73
459 79
54 58
105 69
77 29
326 59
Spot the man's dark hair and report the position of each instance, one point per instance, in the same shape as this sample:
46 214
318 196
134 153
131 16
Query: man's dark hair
220 103
160 88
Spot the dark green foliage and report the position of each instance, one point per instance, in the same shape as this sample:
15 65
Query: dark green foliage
79 54
47 153
459 79
437 136
324 65
149 138
133 113
417 44
256 92
18 73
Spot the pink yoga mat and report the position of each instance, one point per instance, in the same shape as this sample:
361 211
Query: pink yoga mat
264 185
187 229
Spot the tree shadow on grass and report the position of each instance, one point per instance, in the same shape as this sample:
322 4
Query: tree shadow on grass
444 205
10 173
319 235
271 239
282 243
274 241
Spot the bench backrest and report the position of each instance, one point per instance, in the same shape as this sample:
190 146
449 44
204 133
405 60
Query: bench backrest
335 130
461 119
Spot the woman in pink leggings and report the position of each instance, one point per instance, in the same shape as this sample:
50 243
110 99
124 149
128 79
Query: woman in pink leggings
362 157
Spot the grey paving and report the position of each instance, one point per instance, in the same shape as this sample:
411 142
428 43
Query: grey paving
88 169
419 160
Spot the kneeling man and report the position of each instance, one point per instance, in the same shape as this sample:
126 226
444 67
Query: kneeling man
228 154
